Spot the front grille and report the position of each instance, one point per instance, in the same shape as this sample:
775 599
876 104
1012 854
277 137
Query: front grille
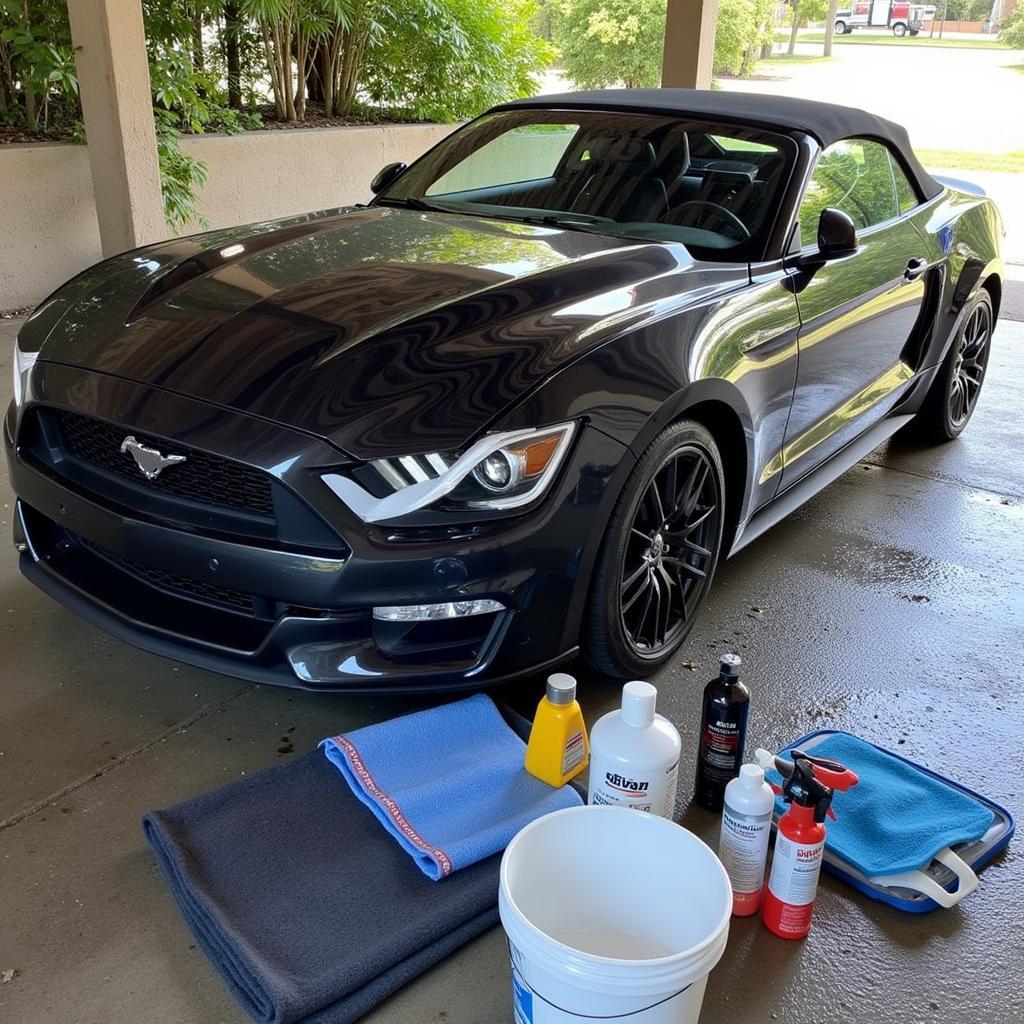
203 478
174 582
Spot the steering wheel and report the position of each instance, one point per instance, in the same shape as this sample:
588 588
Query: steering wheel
727 215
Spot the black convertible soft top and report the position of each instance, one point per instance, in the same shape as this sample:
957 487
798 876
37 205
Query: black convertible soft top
825 122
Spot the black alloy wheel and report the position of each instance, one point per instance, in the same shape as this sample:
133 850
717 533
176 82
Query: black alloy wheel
659 554
953 395
969 365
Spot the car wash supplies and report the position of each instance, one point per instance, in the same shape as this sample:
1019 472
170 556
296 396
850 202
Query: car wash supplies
723 731
796 864
634 755
558 748
746 830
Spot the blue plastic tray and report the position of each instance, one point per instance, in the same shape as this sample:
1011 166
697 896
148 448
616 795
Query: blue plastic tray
977 854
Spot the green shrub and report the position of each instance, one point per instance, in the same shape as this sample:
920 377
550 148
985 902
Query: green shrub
610 42
1011 31
442 60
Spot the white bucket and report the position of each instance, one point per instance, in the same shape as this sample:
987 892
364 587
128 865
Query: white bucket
611 914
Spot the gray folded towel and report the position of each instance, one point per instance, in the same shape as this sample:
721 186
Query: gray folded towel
308 908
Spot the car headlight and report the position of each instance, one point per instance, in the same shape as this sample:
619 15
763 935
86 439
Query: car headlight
21 366
499 472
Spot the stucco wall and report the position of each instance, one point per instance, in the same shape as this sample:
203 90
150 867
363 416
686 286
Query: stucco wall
48 228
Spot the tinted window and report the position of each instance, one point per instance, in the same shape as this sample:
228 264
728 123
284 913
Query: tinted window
855 176
906 197
714 188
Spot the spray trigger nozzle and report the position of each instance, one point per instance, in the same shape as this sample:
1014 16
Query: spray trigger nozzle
812 781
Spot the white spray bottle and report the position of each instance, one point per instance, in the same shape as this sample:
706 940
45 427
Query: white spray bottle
746 831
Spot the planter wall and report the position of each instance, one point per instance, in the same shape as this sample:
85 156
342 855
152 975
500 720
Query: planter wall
48 217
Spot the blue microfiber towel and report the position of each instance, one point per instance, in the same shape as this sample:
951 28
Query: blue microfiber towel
447 783
897 818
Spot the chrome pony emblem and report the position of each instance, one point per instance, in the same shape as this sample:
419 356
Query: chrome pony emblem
150 462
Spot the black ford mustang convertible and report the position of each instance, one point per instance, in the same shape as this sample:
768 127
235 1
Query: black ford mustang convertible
514 409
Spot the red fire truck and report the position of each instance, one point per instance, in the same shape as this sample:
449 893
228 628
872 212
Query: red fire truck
901 17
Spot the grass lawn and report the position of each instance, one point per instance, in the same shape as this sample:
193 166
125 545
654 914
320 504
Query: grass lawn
888 39
954 159
804 58
1015 67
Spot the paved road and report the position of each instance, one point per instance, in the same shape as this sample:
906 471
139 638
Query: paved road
891 606
948 97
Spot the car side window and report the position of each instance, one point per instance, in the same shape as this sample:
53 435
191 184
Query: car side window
525 153
858 177
906 197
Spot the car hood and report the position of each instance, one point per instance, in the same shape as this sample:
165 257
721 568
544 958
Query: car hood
382 330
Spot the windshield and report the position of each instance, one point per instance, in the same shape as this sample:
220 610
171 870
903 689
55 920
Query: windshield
712 187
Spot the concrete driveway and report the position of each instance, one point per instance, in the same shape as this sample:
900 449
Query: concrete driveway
891 605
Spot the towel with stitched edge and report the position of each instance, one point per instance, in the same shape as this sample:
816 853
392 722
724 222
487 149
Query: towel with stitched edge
897 818
448 783
302 902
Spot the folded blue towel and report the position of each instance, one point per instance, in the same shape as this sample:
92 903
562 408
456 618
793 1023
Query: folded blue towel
898 817
447 783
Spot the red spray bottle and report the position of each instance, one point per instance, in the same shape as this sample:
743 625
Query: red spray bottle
810 783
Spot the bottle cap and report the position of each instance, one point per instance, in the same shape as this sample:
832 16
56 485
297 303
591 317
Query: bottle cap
751 776
638 699
729 666
561 688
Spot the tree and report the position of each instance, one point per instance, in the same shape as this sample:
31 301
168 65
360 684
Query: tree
605 42
231 41
342 52
742 26
968 10
830 26
448 59
1011 31
37 63
289 30
804 11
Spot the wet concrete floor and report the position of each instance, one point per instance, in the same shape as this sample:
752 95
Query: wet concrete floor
892 606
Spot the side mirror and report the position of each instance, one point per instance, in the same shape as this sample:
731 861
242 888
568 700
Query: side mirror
385 176
837 235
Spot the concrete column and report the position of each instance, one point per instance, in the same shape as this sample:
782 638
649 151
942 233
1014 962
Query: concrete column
113 78
689 44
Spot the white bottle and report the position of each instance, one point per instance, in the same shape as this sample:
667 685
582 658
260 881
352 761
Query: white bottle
746 830
634 755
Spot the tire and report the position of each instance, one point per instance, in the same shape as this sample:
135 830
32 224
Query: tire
899 30
840 28
914 31
653 552
949 405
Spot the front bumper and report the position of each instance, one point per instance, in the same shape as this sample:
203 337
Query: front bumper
282 611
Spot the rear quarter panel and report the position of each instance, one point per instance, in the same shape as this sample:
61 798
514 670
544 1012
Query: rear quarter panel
964 233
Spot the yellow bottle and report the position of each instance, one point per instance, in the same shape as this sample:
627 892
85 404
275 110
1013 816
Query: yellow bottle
558 749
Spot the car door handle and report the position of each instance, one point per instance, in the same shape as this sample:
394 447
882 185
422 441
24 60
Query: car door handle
915 268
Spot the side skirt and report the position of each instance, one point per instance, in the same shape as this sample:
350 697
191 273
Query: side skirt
808 486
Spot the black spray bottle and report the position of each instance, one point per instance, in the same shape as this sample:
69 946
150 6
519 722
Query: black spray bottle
723 731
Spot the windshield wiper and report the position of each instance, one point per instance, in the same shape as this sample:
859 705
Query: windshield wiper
571 223
415 203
